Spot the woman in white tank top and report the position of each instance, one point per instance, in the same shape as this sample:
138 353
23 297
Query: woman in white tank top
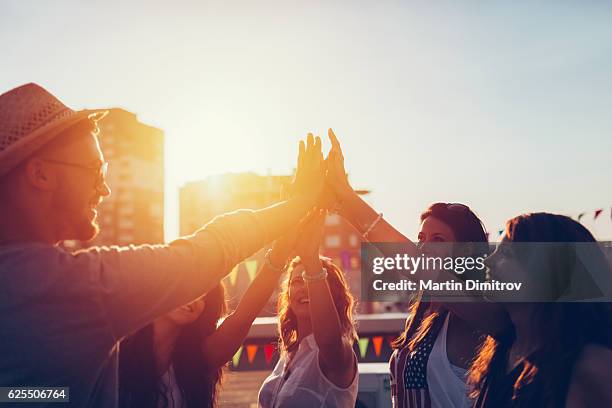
318 367
419 366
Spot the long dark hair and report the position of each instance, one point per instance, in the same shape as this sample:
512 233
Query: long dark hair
138 375
570 326
466 227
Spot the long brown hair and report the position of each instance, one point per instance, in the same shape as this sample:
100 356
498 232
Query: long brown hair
199 384
343 299
569 326
424 317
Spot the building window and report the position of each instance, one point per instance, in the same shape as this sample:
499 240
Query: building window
332 219
332 241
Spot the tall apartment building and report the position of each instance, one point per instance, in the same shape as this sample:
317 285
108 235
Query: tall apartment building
133 213
200 201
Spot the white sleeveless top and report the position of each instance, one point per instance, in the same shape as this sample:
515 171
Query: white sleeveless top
447 386
434 383
305 385
171 389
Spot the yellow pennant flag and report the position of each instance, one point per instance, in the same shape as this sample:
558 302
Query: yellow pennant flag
251 266
233 275
363 346
236 358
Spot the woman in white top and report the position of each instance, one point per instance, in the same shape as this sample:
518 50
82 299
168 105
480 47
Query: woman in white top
318 367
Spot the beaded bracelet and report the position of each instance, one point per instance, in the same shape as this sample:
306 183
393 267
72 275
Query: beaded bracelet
376 221
269 263
313 278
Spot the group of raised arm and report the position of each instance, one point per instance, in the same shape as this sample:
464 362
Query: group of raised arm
63 314
440 359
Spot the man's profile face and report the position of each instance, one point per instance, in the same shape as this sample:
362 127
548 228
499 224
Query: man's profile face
80 188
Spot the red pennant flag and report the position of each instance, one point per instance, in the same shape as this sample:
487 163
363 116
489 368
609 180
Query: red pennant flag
346 260
251 351
377 341
597 213
269 352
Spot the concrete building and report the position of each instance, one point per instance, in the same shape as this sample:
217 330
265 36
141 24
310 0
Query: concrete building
202 200
133 214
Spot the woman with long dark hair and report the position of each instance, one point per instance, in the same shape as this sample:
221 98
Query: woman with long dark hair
164 365
432 355
559 353
318 367
177 361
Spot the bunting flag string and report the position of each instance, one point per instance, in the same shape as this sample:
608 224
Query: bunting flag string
269 352
363 346
251 352
236 358
579 217
233 275
345 256
251 266
377 341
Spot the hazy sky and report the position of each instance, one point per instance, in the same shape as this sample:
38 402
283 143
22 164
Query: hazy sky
506 107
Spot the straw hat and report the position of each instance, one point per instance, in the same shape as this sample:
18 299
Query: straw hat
30 117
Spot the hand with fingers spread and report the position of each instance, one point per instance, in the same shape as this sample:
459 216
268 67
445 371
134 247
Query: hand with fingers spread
310 174
336 178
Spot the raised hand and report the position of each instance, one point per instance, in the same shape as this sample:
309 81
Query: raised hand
311 234
336 178
310 174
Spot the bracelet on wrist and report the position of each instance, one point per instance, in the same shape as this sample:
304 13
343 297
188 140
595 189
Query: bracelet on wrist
269 263
371 227
314 278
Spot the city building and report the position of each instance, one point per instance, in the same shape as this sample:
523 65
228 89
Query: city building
133 213
201 201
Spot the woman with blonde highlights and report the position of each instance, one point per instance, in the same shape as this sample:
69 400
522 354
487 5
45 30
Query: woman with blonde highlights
318 366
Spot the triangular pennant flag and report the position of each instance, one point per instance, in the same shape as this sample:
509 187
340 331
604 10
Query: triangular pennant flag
377 342
346 260
597 213
580 216
500 232
251 351
236 358
233 275
269 352
251 266
363 346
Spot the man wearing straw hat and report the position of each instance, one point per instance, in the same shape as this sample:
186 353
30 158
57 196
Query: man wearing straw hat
62 314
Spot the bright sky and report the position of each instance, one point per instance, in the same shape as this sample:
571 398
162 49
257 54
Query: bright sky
504 106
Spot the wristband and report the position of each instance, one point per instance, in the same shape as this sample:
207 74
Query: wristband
269 263
313 278
376 221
